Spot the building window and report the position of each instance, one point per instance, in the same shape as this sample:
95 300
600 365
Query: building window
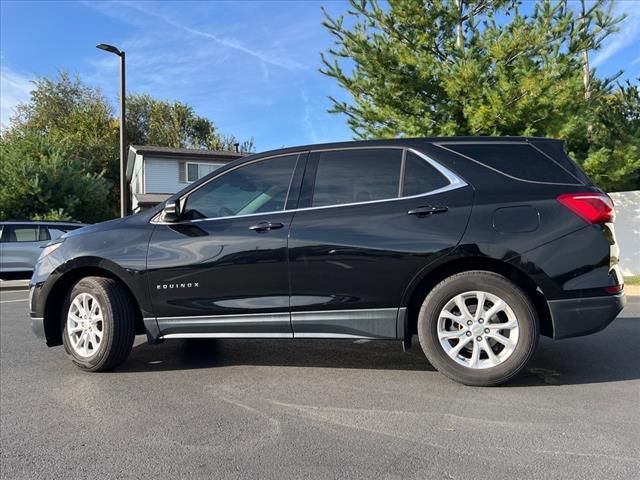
195 171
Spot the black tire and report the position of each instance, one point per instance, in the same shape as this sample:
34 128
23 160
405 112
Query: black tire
494 284
118 324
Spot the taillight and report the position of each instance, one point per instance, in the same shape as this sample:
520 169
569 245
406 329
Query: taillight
615 289
591 207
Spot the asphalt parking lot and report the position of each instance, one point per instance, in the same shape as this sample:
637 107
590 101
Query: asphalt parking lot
303 409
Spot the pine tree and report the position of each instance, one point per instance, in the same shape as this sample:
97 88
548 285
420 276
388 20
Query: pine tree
462 67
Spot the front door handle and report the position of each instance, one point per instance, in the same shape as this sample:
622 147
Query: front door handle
265 226
427 210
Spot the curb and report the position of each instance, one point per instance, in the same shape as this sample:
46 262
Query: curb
13 285
632 290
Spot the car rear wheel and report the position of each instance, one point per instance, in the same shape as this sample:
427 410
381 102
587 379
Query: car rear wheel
478 328
98 324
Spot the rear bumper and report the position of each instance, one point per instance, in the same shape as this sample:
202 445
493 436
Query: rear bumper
574 317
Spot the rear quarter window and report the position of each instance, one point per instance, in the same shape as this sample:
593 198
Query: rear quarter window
518 160
421 177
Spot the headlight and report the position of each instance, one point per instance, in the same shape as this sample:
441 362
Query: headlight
50 249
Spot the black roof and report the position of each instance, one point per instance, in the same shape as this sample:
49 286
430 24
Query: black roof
407 142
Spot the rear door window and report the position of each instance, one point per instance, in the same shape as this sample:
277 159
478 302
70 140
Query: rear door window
517 160
20 233
356 175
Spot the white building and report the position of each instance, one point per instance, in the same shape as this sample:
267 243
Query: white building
155 173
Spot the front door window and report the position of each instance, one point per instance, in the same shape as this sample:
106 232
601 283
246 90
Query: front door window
258 187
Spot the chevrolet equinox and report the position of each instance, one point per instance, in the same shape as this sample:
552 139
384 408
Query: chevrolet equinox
477 245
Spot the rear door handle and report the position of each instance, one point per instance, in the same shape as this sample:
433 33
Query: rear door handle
265 226
427 210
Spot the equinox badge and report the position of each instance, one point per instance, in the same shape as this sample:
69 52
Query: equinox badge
167 286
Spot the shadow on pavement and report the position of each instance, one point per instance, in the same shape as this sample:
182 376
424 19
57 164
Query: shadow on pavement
609 356
207 353
612 355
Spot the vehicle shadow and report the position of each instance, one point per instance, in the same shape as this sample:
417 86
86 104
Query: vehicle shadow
609 356
207 353
612 355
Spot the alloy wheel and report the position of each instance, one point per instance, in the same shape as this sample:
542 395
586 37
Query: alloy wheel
478 329
85 325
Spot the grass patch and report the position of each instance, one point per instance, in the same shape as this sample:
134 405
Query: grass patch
634 280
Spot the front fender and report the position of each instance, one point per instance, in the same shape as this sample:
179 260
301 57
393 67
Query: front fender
82 266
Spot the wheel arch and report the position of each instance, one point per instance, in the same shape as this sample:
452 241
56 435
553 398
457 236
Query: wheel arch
64 283
415 294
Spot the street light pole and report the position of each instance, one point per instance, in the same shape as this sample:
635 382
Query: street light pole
124 191
124 203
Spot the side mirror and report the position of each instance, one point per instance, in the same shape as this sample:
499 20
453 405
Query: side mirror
171 211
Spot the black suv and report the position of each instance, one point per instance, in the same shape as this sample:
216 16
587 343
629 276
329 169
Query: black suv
477 245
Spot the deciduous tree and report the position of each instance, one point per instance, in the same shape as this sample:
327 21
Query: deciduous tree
59 156
174 124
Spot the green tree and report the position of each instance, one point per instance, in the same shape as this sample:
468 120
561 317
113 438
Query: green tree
74 119
42 179
66 136
458 67
612 156
173 124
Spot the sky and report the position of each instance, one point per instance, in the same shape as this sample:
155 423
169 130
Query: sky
251 67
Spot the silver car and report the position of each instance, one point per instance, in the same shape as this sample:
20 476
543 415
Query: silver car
21 243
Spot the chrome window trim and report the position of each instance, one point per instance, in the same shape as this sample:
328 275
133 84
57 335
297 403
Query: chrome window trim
455 182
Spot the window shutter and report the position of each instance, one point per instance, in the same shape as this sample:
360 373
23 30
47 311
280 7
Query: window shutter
182 172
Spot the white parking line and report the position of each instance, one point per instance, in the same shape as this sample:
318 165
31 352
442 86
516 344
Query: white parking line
13 301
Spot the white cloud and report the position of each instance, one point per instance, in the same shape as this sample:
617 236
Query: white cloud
628 35
14 89
264 56
307 117
236 72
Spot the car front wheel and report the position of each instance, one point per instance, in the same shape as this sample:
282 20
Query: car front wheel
98 324
478 328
